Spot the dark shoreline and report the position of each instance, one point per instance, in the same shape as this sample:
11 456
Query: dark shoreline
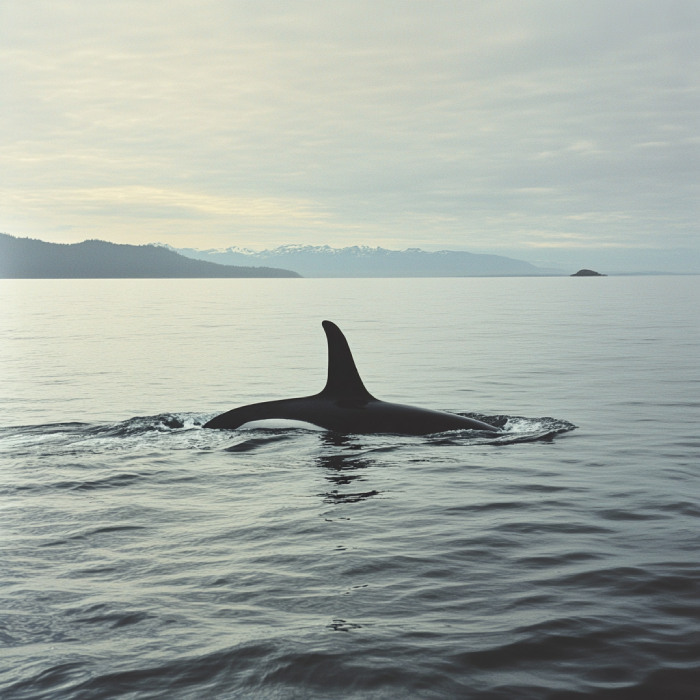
29 258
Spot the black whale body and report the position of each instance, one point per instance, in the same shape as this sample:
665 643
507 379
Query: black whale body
345 406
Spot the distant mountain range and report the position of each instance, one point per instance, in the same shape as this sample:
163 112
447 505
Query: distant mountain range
363 261
31 258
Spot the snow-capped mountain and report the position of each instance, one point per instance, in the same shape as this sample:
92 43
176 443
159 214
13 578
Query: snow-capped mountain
365 261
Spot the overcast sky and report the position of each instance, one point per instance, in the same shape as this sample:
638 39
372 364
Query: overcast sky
487 126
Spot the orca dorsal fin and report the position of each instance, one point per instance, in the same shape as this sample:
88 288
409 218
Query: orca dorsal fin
343 378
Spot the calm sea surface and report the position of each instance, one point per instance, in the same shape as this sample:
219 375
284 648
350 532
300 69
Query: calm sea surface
144 557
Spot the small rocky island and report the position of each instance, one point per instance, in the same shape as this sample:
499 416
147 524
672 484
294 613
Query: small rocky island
587 273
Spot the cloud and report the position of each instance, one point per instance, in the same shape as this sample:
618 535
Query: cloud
480 124
116 210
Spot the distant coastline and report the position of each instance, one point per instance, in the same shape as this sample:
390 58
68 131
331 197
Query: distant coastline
29 258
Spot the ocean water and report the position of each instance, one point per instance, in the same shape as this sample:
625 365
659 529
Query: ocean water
143 557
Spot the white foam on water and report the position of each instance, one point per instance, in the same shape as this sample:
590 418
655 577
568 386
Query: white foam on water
517 424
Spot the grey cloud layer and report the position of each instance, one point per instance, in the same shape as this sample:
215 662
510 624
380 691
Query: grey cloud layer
483 124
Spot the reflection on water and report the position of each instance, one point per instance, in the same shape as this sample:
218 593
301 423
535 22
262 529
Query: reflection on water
343 469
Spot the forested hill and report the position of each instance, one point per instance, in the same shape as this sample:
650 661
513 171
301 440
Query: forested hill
31 258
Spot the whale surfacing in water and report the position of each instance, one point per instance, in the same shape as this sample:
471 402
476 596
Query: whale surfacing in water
345 406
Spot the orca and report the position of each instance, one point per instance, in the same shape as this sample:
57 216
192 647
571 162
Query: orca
345 406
